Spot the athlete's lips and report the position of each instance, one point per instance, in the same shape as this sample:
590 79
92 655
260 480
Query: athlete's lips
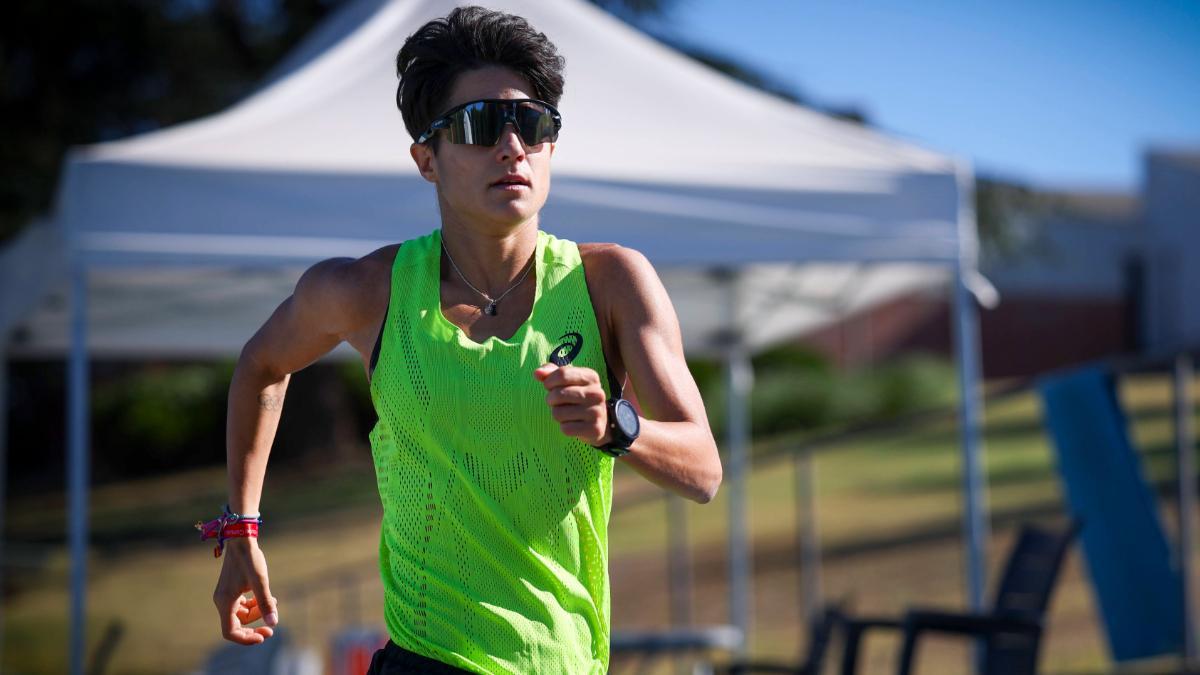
512 179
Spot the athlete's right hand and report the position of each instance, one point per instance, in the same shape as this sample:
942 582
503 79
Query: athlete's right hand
245 569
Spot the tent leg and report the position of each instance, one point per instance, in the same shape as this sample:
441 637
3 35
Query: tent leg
77 462
975 518
807 539
679 563
739 380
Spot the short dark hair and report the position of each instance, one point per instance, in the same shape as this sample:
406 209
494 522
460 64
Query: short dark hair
468 38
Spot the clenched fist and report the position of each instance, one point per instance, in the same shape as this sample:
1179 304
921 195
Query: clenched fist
577 402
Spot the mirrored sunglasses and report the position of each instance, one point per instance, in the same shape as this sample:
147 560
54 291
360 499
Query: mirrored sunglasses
482 122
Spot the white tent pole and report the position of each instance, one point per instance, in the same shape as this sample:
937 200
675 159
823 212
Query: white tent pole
966 343
807 537
975 512
975 524
77 460
739 379
679 563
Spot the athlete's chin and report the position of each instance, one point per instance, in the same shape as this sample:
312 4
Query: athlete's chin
517 211
506 221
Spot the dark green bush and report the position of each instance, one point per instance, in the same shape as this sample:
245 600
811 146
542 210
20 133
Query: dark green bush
797 389
168 416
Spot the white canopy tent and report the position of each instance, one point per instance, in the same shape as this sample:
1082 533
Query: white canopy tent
764 218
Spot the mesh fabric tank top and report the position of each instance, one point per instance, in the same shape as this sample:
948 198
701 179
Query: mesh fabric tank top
494 543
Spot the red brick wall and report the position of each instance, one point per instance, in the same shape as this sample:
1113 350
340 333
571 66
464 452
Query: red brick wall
1023 336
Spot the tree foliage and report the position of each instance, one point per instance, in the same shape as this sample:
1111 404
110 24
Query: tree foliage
74 72
82 71
1003 210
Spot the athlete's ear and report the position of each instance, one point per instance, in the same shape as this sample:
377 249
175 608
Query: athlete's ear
423 156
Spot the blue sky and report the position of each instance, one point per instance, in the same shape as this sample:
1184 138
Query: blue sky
1058 94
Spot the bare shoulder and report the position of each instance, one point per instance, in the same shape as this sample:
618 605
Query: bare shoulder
347 292
622 277
614 263
373 270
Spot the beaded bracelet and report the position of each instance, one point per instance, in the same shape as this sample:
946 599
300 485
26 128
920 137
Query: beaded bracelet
227 526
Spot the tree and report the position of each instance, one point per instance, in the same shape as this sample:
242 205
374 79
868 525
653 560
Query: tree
1003 208
82 71
75 72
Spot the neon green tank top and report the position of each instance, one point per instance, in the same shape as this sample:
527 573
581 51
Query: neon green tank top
494 543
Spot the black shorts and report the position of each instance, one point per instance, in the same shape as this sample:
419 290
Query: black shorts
395 660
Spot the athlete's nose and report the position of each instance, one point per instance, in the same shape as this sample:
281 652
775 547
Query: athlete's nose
510 145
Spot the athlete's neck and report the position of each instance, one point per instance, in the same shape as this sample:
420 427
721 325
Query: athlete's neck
492 262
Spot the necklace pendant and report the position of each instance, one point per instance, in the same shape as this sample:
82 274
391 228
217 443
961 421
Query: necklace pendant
490 310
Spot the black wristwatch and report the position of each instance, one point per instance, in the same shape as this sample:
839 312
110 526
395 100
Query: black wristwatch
623 422
623 427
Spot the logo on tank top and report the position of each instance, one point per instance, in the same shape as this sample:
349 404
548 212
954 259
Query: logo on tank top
568 350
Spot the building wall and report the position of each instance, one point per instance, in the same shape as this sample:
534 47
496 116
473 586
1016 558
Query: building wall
1024 336
1093 275
1069 293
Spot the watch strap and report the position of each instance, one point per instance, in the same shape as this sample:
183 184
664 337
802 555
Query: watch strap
615 448
615 388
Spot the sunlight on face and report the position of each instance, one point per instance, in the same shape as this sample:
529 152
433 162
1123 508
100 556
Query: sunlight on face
466 175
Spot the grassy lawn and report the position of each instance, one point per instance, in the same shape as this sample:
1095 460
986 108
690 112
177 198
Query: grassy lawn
148 571
876 490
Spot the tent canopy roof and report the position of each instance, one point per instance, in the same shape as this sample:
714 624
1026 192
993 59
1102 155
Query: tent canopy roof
713 175
316 162
693 124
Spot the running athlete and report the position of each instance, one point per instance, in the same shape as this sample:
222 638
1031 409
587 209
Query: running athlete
497 356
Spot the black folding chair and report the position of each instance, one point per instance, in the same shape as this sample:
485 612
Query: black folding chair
1010 632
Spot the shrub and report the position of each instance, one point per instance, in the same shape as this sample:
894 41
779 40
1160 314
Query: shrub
796 389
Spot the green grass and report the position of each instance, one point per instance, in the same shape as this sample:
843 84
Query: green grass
149 572
889 486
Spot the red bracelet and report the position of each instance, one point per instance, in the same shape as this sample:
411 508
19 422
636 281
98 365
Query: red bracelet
227 526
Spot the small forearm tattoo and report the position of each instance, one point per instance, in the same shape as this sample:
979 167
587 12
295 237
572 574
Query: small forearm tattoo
269 402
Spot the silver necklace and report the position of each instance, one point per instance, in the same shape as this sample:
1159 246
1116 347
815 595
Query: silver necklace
490 309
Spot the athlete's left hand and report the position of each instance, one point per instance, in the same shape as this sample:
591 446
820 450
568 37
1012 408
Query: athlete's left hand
576 400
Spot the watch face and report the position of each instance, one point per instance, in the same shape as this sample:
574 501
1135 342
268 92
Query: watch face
627 419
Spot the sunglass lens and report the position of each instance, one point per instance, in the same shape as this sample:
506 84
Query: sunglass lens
477 124
482 122
536 123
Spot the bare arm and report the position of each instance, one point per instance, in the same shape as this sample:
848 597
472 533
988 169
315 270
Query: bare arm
675 449
307 325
